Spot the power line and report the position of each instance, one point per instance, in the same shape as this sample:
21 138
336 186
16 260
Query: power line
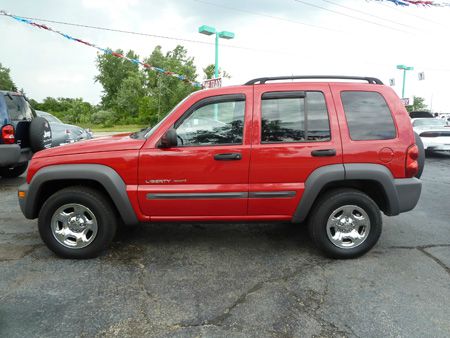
140 33
269 16
353 17
369 14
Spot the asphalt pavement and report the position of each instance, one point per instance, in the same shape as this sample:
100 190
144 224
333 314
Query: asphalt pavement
232 280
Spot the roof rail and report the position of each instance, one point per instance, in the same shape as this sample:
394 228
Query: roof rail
262 80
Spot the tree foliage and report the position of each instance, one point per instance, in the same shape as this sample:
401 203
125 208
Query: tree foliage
418 104
142 95
6 83
209 72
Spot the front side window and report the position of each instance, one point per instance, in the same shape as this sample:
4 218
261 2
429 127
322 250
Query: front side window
215 123
294 117
368 116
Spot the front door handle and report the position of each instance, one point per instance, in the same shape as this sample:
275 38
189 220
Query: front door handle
228 157
323 152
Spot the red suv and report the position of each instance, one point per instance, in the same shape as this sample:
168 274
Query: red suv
331 154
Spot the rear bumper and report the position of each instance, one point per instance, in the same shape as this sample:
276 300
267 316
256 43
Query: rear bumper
12 155
408 192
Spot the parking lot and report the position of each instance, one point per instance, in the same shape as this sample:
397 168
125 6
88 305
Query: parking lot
232 280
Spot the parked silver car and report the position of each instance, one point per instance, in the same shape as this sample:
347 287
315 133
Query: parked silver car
63 133
434 133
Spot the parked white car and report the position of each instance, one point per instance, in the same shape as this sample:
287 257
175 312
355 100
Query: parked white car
434 133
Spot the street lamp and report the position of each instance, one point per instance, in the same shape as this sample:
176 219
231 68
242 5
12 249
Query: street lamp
208 30
405 68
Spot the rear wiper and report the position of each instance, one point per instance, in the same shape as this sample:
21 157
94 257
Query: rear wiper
9 95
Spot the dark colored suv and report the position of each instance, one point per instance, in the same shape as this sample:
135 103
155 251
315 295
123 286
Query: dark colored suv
21 134
331 154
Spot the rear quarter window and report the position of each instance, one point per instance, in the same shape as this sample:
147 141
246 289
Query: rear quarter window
368 116
18 108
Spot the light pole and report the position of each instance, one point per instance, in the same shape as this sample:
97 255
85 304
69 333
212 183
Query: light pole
405 68
208 30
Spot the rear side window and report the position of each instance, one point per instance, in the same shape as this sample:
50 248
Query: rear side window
294 117
368 116
18 108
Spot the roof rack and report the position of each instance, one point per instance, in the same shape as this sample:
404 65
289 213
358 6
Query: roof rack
262 80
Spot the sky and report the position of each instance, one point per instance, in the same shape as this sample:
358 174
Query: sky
272 37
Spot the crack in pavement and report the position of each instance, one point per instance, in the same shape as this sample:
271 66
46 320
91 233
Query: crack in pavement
422 249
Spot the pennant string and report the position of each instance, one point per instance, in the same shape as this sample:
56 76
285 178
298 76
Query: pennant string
106 51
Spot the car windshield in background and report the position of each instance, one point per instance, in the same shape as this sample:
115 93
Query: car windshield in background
429 122
51 118
18 108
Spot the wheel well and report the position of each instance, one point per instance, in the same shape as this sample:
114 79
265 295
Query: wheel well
50 187
372 188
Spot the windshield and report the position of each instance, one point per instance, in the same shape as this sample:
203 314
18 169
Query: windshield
50 118
150 130
429 122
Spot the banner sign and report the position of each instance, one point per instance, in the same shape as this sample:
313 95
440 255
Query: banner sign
104 50
405 3
212 83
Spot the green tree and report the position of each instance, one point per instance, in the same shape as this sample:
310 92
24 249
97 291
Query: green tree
418 104
166 91
209 72
129 96
112 72
6 83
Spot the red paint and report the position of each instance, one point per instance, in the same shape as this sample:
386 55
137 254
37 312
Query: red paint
147 169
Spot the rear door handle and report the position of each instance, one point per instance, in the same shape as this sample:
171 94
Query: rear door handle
228 157
323 152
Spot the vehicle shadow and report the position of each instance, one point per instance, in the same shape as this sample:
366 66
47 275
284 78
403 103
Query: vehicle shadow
234 236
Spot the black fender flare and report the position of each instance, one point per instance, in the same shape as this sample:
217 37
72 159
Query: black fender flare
325 175
107 177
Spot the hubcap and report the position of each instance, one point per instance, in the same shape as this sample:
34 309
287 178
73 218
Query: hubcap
348 226
74 226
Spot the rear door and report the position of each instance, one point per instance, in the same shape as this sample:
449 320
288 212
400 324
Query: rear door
295 131
20 115
206 176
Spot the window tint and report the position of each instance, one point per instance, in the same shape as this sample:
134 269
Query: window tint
368 116
213 124
294 119
18 108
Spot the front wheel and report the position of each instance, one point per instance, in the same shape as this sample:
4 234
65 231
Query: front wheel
345 223
77 222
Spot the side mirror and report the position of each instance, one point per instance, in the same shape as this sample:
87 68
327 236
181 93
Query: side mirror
169 139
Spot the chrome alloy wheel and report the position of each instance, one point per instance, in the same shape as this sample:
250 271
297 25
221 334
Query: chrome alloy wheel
74 226
348 226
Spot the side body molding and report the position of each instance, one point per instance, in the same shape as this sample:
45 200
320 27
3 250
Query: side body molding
104 175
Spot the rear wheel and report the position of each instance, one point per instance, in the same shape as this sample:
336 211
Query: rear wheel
345 223
14 171
77 222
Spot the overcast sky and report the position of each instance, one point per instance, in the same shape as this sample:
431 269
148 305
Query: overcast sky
281 37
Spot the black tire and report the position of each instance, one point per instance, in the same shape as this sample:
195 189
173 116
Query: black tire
14 171
323 209
40 134
421 158
100 206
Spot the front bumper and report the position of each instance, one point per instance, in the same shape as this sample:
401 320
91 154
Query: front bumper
408 192
23 189
12 155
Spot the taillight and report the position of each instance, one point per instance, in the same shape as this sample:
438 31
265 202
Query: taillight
412 166
8 134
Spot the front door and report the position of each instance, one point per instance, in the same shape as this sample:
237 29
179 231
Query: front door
295 131
206 175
